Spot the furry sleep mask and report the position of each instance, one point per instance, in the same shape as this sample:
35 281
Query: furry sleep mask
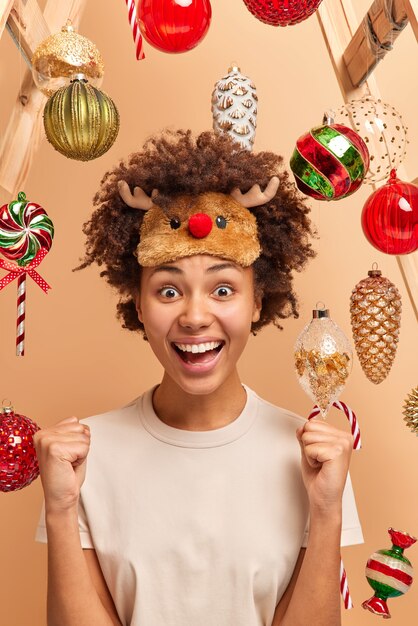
210 223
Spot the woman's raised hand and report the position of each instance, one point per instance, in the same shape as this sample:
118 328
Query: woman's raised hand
62 452
326 453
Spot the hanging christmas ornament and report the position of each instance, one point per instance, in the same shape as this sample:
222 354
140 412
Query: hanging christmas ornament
174 25
18 462
26 234
234 107
323 359
383 130
81 122
62 55
390 217
329 162
375 307
282 12
411 410
389 573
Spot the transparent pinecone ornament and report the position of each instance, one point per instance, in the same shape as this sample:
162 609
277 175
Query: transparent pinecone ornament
234 107
323 359
375 319
411 410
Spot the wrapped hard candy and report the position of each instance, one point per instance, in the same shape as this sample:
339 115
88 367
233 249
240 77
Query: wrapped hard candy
389 573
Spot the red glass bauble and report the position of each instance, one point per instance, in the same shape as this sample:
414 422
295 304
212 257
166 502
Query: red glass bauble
174 25
390 217
282 12
18 462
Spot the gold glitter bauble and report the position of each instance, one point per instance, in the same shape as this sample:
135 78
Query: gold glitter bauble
80 121
62 55
375 319
411 410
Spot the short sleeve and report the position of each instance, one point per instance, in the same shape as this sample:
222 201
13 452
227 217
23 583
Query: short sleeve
351 533
85 536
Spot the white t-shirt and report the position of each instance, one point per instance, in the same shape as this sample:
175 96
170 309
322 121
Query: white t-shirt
197 528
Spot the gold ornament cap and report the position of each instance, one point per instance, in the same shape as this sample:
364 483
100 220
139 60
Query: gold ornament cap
7 407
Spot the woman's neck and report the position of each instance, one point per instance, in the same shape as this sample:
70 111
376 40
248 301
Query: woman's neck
188 411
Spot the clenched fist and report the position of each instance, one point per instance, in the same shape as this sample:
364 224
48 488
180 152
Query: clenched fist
326 453
62 452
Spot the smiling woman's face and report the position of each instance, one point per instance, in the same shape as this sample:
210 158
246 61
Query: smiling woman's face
197 313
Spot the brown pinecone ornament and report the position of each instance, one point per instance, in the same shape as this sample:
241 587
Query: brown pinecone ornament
411 410
375 319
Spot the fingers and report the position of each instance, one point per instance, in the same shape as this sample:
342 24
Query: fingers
320 442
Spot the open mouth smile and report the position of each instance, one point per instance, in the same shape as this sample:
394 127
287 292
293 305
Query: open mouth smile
198 354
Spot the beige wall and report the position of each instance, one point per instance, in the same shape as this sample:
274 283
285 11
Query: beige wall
79 361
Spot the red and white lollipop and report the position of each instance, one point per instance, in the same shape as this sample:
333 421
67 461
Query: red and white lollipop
26 234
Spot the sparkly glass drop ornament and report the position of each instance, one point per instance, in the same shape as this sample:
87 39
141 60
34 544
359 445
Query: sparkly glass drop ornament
389 573
174 25
323 359
62 55
329 162
18 462
234 107
80 121
411 410
390 217
282 12
375 307
381 127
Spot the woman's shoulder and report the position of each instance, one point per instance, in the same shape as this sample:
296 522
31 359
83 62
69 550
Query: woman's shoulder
272 411
121 415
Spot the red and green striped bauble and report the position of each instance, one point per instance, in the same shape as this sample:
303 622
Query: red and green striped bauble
330 162
389 573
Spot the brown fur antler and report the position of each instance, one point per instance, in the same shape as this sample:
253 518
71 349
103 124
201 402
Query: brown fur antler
256 197
138 200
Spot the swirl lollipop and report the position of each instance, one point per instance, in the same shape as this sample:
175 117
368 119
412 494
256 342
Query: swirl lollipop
26 234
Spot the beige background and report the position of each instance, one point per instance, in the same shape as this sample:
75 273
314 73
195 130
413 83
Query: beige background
79 361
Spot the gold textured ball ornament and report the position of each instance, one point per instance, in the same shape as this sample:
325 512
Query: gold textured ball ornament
411 410
375 319
80 121
62 55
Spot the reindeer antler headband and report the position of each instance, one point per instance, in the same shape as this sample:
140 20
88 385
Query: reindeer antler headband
210 223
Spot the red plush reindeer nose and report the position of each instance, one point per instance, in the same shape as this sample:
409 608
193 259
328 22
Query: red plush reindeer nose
200 225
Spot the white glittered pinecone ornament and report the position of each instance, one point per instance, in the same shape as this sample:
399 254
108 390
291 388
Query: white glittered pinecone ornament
375 320
411 410
234 107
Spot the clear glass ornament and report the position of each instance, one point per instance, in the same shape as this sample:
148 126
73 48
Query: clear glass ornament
381 127
323 359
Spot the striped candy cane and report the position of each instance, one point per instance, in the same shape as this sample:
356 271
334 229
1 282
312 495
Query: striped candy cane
351 416
355 431
21 306
133 21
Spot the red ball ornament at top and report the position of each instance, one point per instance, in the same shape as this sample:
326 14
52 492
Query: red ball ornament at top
390 217
174 25
282 12
18 462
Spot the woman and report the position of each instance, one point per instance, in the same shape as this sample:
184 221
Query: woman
199 517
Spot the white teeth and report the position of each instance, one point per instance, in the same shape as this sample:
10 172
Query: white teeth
198 347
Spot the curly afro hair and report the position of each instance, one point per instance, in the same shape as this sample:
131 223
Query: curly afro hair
176 162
